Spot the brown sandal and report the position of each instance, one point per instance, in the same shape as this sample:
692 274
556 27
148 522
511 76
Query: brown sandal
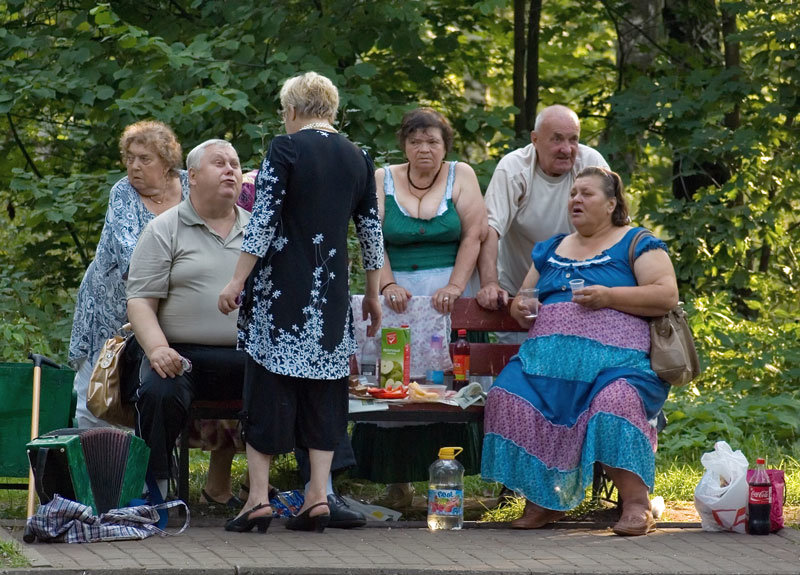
535 517
635 524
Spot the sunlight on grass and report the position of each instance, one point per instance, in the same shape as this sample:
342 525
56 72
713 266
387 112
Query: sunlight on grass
11 556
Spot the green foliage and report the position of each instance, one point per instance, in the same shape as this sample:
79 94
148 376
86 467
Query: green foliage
73 75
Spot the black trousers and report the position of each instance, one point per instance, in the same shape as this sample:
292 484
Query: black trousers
162 405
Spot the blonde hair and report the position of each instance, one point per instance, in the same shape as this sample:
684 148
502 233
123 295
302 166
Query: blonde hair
157 136
311 95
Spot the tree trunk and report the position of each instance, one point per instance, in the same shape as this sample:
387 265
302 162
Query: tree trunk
519 66
532 68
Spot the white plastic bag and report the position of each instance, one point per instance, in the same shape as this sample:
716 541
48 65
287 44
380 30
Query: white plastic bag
721 496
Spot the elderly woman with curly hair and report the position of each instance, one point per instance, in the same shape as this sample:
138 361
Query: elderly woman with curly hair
154 183
295 320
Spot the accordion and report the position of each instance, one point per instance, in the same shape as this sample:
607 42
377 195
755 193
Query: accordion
101 467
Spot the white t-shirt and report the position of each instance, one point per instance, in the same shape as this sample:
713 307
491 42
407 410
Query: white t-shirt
526 206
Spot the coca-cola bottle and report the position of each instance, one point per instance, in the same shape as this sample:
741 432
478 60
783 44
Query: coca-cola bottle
759 501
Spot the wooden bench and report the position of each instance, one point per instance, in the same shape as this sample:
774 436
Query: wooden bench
486 359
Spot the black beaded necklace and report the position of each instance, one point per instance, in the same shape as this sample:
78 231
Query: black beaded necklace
429 186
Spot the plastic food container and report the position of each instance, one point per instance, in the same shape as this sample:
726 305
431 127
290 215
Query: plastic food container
439 390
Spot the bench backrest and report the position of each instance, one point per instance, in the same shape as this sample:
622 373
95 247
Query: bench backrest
485 358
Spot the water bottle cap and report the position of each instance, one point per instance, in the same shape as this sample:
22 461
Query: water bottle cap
760 461
449 452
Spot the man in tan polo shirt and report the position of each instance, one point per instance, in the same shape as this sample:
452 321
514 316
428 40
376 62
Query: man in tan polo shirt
182 261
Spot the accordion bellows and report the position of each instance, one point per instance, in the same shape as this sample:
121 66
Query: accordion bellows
101 467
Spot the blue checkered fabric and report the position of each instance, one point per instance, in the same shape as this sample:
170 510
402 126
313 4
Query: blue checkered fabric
65 521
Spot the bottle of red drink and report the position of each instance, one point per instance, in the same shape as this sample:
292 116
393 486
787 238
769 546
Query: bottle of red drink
461 361
759 501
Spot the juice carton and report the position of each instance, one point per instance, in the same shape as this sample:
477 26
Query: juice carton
395 355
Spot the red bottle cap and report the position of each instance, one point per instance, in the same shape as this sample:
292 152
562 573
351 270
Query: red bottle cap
760 461
462 332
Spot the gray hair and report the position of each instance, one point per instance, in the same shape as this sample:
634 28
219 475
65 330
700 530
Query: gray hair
194 157
554 109
311 95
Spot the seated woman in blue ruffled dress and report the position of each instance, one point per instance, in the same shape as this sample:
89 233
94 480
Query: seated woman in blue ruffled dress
581 389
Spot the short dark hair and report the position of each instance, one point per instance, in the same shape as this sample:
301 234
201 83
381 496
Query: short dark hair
423 118
612 188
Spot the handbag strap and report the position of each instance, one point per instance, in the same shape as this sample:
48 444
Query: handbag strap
632 249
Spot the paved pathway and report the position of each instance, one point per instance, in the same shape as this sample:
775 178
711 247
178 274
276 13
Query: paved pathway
572 548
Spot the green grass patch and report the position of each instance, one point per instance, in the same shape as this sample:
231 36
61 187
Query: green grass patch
11 556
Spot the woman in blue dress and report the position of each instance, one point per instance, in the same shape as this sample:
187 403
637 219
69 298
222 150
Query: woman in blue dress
581 389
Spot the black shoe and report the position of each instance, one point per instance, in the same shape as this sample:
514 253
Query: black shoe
304 521
232 503
342 517
243 523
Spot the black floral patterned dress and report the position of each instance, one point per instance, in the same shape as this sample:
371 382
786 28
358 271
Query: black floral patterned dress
295 319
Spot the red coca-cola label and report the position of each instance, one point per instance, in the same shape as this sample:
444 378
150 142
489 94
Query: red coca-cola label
760 495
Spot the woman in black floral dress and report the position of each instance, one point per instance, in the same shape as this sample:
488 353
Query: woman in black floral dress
295 321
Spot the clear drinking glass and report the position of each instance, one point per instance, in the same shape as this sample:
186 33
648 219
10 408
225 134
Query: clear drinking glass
530 299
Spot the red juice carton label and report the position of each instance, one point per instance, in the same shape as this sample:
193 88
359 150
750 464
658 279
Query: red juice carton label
395 356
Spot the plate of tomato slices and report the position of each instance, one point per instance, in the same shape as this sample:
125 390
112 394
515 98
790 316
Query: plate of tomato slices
386 393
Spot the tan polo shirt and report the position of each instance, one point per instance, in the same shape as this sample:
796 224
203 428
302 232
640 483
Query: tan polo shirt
185 264
526 206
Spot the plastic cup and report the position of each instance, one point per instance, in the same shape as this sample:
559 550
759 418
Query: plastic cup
530 299
575 285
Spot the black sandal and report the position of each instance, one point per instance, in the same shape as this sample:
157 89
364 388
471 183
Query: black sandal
304 521
244 524
232 503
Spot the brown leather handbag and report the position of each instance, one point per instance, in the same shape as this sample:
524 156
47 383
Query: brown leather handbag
673 355
104 395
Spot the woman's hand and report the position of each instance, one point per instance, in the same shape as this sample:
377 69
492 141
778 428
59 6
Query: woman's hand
593 297
166 361
229 297
519 311
445 298
371 309
396 297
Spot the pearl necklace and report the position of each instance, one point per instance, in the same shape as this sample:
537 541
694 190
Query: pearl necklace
319 126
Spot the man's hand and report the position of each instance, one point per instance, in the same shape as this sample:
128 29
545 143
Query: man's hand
371 309
166 362
492 296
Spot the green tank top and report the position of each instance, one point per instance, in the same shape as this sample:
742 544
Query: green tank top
416 244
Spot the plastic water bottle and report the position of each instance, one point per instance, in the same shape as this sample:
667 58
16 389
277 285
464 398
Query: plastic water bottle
370 358
446 491
759 501
435 376
461 361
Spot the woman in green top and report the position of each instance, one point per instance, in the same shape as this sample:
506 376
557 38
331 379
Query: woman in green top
433 217
434 221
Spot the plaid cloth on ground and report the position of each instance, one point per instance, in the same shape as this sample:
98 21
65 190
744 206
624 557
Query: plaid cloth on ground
66 521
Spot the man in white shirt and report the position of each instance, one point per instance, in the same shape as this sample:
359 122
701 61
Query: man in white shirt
527 201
